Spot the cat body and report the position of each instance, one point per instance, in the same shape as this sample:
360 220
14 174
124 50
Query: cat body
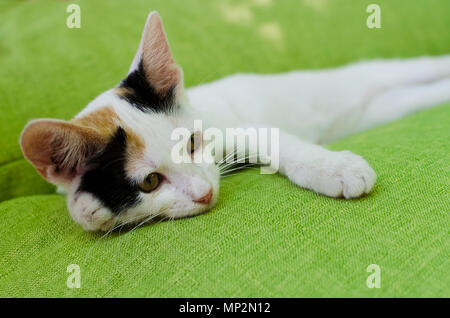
115 158
321 106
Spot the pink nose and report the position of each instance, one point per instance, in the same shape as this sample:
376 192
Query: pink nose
206 198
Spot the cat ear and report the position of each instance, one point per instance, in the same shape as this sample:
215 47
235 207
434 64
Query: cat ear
159 67
57 149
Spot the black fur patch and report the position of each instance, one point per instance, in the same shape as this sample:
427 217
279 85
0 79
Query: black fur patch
107 179
143 96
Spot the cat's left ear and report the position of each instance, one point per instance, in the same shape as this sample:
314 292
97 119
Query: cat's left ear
160 69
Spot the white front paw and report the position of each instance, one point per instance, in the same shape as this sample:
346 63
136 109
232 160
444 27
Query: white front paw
337 174
90 213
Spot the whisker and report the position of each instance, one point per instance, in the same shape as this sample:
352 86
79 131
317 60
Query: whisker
245 166
101 238
115 226
147 219
121 158
245 158
227 156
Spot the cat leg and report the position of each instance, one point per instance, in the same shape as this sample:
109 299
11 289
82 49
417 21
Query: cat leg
398 72
340 105
332 173
398 102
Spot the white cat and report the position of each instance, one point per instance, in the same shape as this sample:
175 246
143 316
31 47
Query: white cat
113 159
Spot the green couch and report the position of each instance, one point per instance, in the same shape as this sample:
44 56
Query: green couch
266 237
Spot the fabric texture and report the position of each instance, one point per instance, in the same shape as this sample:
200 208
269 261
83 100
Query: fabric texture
266 237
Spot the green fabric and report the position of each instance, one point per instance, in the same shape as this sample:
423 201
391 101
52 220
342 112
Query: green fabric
266 237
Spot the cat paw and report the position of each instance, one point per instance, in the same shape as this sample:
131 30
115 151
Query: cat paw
340 174
90 213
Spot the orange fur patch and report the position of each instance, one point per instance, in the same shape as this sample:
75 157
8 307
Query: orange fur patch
104 121
122 91
57 148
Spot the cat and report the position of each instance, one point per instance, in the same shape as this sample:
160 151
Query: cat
114 158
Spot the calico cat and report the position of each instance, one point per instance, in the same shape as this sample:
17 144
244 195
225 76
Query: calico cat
114 158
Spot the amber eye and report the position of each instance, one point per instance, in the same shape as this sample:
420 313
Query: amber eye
194 142
151 182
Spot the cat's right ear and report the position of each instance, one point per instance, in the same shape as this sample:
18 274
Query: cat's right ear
59 150
155 57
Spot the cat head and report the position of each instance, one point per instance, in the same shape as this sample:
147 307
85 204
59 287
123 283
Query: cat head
114 158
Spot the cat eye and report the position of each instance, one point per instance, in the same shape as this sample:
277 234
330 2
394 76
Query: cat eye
151 182
194 142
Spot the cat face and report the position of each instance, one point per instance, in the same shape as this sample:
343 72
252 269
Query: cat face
114 158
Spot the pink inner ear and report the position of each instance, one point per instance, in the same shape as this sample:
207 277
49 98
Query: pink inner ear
57 148
160 68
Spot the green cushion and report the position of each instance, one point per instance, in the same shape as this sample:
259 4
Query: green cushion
266 237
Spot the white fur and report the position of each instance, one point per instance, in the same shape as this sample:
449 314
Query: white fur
175 198
310 108
315 107
324 105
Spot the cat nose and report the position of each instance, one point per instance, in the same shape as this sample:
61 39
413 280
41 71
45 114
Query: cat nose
206 198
